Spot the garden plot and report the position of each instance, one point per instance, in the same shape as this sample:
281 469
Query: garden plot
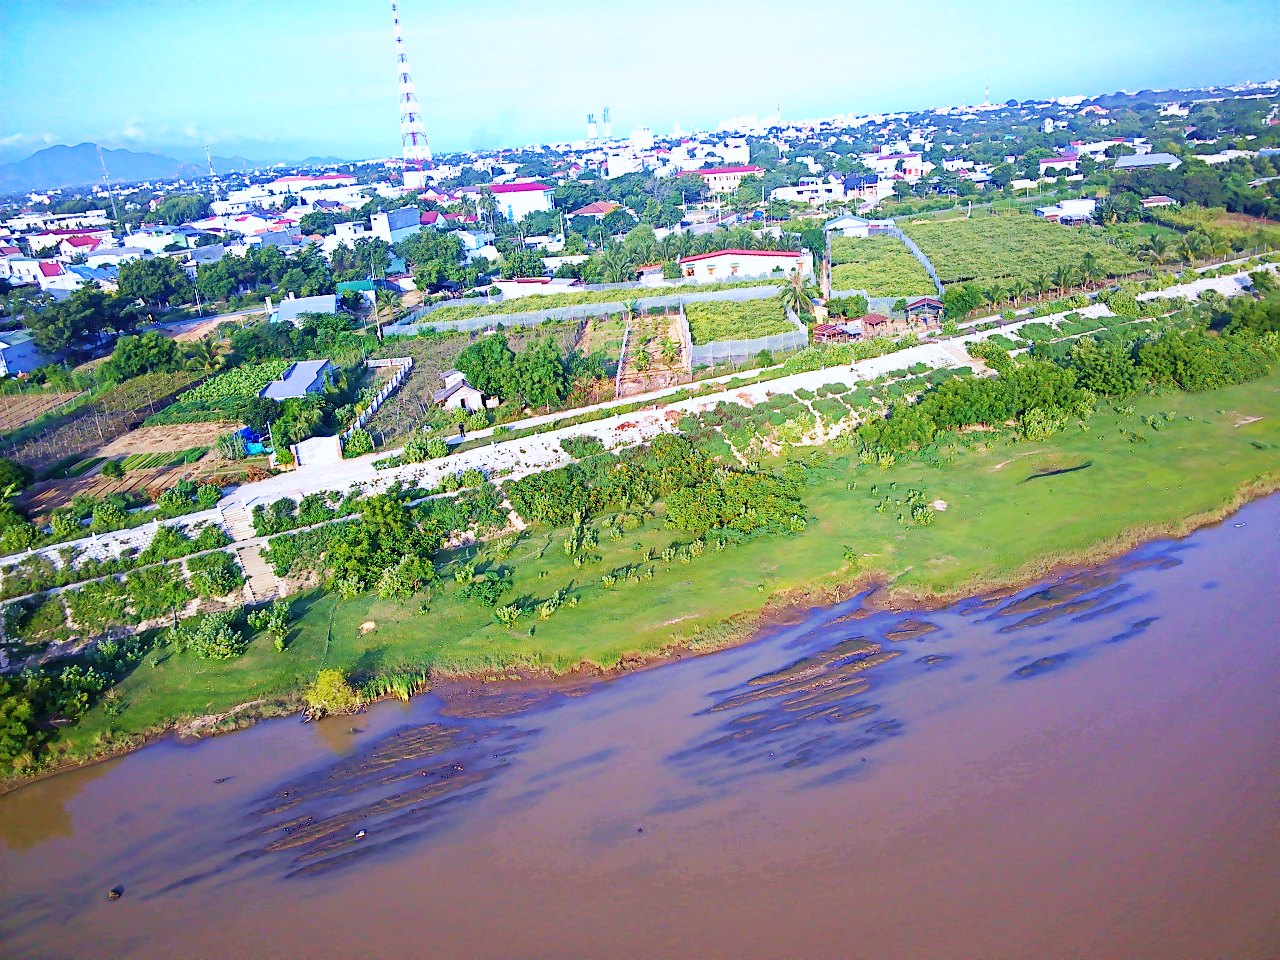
880 265
17 411
991 248
718 320
167 438
656 356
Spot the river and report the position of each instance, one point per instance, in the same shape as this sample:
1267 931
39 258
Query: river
1084 768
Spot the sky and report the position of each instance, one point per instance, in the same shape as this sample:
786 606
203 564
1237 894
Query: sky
285 79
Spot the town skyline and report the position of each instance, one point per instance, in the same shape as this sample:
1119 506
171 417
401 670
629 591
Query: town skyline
470 103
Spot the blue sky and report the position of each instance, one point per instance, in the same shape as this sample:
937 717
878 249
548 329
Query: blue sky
288 78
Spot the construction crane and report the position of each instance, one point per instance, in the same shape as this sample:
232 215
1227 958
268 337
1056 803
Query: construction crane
213 176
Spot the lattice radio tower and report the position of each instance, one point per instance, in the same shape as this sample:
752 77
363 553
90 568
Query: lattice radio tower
413 132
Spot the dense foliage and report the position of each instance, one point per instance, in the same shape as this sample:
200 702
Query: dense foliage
716 320
880 265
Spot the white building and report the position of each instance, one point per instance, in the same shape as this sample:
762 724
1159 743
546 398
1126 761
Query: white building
516 200
1068 211
641 139
727 179
56 221
395 225
849 226
722 265
812 191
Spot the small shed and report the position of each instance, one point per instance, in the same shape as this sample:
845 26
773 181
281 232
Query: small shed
292 309
874 323
457 393
924 308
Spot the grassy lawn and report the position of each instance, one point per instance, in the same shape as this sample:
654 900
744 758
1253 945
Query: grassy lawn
1006 518
880 265
989 248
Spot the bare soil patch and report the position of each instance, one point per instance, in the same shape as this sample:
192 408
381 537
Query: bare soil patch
162 439
18 411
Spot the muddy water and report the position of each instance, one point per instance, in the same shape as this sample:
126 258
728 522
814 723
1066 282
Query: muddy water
1086 768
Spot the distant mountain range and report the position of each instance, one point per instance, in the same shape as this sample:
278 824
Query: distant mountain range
63 166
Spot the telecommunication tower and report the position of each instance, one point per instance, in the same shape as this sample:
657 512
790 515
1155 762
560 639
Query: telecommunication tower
413 132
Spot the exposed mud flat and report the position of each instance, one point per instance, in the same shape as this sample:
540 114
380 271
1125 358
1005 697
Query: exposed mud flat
1005 776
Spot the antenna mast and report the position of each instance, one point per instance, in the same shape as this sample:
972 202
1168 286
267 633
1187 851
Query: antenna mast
413 132
213 176
106 178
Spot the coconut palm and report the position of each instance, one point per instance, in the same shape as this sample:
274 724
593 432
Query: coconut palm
1193 245
207 354
798 293
1064 276
618 265
1091 269
995 293
1019 290
489 207
1041 284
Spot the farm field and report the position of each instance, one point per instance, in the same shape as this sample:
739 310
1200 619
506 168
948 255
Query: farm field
97 422
880 265
20 409
220 396
730 320
411 407
981 538
990 248
655 355
604 334
165 439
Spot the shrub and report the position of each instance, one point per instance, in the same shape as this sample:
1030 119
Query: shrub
331 694
112 469
214 574
436 448
358 444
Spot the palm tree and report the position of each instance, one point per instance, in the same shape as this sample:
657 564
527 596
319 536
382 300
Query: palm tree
1091 269
1064 276
1041 283
618 265
207 354
1019 289
489 207
1193 245
995 293
798 293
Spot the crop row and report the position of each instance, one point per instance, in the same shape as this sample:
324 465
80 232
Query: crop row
732 320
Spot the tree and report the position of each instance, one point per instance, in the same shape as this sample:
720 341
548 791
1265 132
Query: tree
152 352
14 478
207 354
959 301
798 293
81 321
520 262
156 282
488 365
539 376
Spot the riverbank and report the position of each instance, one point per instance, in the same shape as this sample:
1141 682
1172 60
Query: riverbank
1006 512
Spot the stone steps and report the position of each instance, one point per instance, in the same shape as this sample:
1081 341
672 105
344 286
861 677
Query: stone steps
261 583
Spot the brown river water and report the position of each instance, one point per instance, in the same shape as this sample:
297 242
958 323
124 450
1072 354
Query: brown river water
1085 768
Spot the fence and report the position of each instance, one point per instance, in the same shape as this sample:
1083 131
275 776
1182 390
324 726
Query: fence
622 361
919 255
581 311
735 351
403 367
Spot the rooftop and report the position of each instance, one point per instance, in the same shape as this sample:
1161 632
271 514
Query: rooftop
297 380
740 253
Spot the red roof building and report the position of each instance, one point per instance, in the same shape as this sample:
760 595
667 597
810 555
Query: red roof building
597 209
727 179
743 264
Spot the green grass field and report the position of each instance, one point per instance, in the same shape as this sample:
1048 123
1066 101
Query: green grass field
989 248
880 265
1171 458
730 320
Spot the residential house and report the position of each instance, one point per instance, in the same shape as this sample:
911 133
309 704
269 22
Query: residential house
292 309
516 200
395 225
599 209
71 246
1160 200
38 243
1068 211
721 265
457 393
19 354
727 179
848 226
811 190
113 256
1055 166
302 378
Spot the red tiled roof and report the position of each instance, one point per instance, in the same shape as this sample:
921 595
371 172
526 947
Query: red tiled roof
919 300
89 242
8 251
596 208
711 170
873 320
741 253
49 269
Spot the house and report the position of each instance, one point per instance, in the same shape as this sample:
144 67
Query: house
1160 200
1134 161
722 265
52 239
114 256
292 309
515 200
457 393
1068 162
811 190
727 179
396 225
19 354
302 378
598 209
74 245
849 226
1068 211
924 308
